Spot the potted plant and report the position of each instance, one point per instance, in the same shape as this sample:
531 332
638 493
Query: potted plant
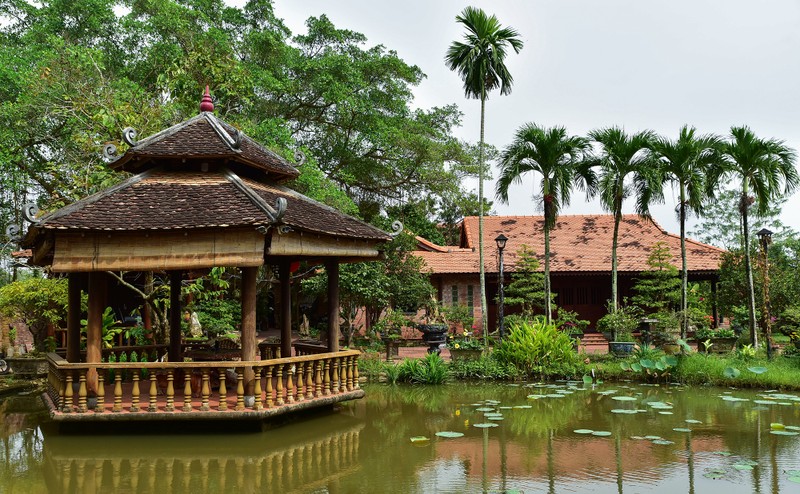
465 347
619 324
666 332
720 340
435 326
569 323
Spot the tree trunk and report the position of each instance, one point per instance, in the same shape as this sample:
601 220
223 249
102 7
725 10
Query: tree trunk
748 267
548 211
684 269
617 218
484 311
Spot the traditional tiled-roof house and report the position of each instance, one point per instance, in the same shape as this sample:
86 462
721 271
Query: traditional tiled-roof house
580 262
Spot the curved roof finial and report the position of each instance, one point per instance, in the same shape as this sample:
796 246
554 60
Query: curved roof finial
206 104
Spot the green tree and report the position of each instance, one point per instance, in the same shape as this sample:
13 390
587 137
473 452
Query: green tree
38 302
527 286
766 171
658 288
559 159
480 61
626 168
685 163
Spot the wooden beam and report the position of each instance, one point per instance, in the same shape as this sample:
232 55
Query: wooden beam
175 335
296 244
249 276
332 267
286 308
74 285
98 284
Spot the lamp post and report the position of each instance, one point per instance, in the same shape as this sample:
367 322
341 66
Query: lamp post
501 244
764 239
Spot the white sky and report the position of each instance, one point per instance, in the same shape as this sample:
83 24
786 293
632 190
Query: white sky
587 64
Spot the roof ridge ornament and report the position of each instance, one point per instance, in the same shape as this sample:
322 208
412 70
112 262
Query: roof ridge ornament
206 104
129 136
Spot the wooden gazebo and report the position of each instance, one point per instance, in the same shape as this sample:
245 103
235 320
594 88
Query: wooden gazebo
202 195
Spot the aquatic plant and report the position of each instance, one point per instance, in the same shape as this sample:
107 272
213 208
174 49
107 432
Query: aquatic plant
537 348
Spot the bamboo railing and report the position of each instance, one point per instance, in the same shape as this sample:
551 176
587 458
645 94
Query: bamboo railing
201 387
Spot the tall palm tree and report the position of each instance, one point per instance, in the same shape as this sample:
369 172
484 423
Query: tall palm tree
626 167
480 61
559 159
766 170
685 163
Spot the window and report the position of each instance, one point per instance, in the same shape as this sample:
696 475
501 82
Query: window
566 296
471 299
581 295
454 295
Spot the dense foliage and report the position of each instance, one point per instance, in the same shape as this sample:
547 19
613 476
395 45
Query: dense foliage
37 301
539 349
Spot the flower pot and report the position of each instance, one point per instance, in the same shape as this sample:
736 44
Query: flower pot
621 348
463 354
435 335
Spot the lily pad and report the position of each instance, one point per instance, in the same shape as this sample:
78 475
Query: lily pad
484 409
420 439
792 428
681 429
663 442
796 480
742 467
723 453
601 433
731 372
583 431
523 406
693 421
495 417
715 474
587 379
757 370
764 402
733 398
449 434
665 413
624 398
776 426
623 411
785 433
485 425
652 438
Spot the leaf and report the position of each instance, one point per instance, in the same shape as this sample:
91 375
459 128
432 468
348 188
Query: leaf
449 434
419 439
636 367
731 372
624 398
757 370
485 425
646 363
583 431
587 379
601 433
624 366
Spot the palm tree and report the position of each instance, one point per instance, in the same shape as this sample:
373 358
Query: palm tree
766 170
685 163
559 158
480 61
626 167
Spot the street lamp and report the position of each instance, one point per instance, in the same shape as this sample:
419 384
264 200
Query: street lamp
764 239
501 244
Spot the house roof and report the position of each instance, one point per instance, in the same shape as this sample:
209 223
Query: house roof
578 244
204 137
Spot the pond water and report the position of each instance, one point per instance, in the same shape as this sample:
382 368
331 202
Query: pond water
561 437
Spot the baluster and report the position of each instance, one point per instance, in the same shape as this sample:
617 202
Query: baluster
335 376
82 391
134 475
279 384
61 391
187 392
309 380
206 391
347 377
153 393
290 383
170 406
223 390
269 387
135 391
258 403
100 406
117 392
239 388
356 384
278 352
326 378
300 382
318 379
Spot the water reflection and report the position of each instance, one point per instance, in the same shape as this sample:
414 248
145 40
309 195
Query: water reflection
365 446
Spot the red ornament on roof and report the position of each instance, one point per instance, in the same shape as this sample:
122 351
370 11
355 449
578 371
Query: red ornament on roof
206 104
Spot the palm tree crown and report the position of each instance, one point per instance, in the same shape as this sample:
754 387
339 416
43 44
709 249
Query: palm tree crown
558 157
480 58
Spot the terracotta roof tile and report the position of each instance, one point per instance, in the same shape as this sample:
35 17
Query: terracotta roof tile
579 243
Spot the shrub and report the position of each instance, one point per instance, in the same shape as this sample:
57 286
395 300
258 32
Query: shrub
37 301
429 370
540 349
487 367
620 322
219 316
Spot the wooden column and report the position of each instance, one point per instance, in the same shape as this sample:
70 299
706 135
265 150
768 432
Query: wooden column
74 282
249 276
94 325
332 267
175 278
286 308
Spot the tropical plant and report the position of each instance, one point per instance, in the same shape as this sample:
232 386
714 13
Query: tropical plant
465 342
650 367
626 167
526 289
480 61
766 171
559 159
109 327
685 162
540 349
569 322
428 370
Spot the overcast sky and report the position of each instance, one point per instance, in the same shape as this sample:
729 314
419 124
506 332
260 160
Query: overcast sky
589 63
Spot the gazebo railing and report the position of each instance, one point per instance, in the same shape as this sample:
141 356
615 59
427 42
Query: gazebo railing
200 387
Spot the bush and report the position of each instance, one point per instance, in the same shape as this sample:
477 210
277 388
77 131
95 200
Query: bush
620 322
429 370
219 316
539 349
38 302
487 367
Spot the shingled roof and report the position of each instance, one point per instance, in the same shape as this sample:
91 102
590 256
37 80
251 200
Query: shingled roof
578 244
204 137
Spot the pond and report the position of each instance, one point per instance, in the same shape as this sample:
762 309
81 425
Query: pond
563 437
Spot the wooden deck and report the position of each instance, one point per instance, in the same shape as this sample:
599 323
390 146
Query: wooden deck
155 391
